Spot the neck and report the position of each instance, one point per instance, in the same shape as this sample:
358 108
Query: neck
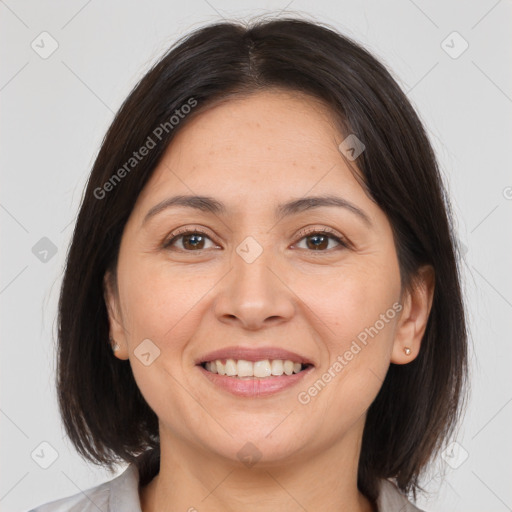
191 479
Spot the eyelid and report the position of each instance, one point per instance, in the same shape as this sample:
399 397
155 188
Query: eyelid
341 239
186 230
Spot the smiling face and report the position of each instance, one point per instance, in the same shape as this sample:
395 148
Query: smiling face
311 281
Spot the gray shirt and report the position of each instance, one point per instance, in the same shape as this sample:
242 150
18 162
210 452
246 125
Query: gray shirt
121 494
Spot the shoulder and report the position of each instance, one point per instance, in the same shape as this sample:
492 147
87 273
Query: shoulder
391 499
120 494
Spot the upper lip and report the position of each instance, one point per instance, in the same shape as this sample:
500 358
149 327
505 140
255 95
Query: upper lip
253 354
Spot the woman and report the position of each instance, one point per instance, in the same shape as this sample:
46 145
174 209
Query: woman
261 308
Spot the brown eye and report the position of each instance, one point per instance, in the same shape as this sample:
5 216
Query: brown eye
191 241
319 240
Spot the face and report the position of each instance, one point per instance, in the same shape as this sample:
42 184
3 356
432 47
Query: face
321 282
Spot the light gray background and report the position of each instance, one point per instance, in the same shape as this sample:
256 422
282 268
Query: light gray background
55 112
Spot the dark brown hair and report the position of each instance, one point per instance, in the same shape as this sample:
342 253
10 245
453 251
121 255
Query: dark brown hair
419 404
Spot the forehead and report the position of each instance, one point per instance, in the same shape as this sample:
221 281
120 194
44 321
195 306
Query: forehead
268 125
256 148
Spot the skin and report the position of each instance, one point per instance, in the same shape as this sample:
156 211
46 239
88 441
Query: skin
252 153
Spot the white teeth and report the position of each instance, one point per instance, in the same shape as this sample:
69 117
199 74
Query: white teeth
262 368
230 367
211 366
246 369
277 367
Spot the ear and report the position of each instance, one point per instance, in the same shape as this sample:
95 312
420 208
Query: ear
417 303
117 331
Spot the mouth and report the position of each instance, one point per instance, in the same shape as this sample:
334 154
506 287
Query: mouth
262 369
254 379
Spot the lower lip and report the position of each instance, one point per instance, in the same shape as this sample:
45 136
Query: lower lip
256 387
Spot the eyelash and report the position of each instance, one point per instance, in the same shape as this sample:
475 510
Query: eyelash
303 234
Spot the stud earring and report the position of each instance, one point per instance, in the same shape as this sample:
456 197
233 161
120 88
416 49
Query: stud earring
115 346
407 351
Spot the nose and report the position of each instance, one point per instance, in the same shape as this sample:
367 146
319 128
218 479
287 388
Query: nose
255 294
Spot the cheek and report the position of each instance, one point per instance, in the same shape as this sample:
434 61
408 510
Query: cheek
159 301
355 317
166 307
351 298
356 321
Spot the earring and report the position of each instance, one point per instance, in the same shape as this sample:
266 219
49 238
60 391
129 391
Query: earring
407 351
114 345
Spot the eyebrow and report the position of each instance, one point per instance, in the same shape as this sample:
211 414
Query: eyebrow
211 205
